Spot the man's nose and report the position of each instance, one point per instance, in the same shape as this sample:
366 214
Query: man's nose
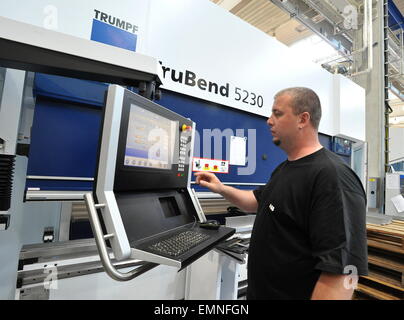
270 122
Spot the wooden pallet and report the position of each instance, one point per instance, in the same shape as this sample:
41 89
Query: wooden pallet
375 293
387 237
387 268
385 280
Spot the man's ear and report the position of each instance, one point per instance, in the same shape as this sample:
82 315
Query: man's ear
304 119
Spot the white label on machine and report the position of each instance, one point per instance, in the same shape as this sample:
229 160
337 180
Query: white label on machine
238 150
210 165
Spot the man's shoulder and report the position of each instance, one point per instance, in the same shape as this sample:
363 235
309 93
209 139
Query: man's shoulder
334 168
279 167
321 162
330 161
337 161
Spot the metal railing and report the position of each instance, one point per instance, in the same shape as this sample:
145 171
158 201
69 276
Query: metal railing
100 239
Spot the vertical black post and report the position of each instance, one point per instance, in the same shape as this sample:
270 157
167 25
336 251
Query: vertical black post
6 180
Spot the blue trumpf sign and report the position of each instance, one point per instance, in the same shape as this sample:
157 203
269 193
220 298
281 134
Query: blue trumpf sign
112 35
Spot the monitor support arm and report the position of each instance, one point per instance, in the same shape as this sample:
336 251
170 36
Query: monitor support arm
102 248
150 90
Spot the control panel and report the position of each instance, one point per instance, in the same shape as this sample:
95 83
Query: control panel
184 147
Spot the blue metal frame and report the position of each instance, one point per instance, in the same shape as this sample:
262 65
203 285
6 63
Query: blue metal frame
396 19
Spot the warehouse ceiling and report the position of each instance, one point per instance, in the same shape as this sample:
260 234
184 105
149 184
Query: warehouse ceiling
267 17
400 5
276 22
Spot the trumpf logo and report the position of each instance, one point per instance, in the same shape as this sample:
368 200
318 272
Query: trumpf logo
116 22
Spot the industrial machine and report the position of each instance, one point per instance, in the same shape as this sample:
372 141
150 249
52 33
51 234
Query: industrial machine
143 197
143 186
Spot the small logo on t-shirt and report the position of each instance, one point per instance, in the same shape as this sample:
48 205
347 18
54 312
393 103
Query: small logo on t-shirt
271 207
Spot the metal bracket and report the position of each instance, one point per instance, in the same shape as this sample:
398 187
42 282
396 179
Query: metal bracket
102 248
4 221
150 90
197 204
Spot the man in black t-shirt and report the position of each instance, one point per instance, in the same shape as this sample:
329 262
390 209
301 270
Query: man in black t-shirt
309 235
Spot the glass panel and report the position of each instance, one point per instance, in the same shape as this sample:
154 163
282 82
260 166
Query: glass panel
358 163
2 75
399 166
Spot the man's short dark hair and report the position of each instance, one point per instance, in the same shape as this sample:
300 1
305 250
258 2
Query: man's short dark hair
304 100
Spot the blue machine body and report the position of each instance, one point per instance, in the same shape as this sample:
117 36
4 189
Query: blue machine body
67 121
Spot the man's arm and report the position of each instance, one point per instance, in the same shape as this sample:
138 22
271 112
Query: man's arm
332 287
243 199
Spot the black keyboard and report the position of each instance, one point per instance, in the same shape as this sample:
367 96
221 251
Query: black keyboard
179 243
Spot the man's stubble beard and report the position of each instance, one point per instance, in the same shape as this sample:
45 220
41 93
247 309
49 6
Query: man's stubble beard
276 142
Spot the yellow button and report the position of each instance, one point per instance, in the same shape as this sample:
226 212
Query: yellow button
186 128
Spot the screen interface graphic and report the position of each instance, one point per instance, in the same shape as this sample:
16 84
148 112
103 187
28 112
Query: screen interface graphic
150 140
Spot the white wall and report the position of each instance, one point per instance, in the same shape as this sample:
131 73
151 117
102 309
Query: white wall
396 144
350 108
226 49
74 17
